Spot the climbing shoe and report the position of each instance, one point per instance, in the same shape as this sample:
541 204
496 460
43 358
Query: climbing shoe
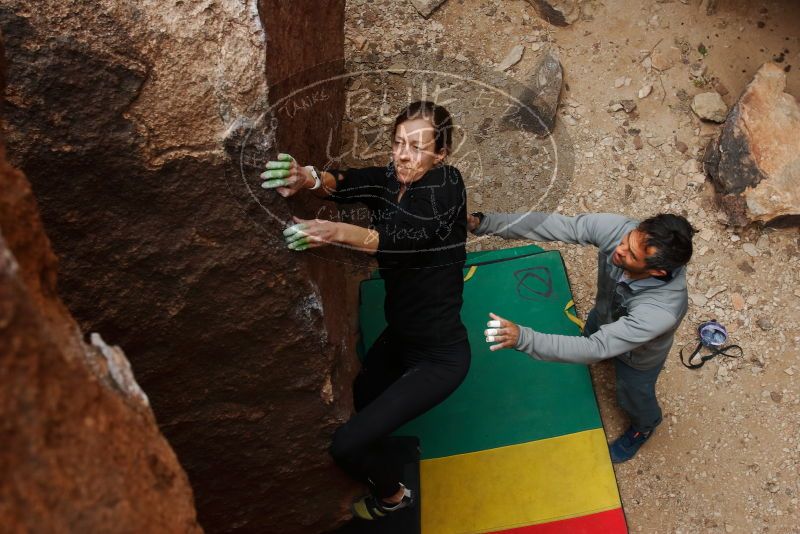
370 507
627 445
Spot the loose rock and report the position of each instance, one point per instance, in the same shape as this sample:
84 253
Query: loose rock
755 163
628 105
764 324
557 12
540 96
697 70
664 60
512 58
709 106
426 7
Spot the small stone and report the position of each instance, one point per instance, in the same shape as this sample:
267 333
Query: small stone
709 106
706 234
426 7
679 182
619 82
663 60
764 324
645 91
751 250
628 105
714 291
698 299
512 58
616 107
722 373
789 371
719 87
776 396
557 12
359 41
637 142
697 179
681 147
690 166
697 70
762 243
737 301
397 69
745 267
477 197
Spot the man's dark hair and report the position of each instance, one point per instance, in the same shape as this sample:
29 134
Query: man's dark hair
440 119
671 235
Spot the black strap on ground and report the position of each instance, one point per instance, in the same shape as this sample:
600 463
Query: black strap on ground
729 351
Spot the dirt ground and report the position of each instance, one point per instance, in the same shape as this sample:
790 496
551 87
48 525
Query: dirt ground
726 457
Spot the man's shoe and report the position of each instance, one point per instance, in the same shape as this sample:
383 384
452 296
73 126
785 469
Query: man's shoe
370 507
627 445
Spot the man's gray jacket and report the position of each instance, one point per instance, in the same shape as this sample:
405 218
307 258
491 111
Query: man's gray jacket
637 319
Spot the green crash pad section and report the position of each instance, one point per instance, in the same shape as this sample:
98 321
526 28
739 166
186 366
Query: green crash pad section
507 397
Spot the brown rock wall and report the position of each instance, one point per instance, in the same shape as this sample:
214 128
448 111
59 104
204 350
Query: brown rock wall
142 127
81 449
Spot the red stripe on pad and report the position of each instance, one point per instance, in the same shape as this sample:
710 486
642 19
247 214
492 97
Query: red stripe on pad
609 522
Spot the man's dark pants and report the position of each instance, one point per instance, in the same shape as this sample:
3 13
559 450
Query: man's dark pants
636 389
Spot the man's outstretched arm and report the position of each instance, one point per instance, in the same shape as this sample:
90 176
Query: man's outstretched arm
599 229
609 341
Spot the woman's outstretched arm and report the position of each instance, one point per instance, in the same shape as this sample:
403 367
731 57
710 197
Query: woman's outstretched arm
313 233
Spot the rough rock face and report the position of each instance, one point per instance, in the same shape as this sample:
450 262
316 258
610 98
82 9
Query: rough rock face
755 163
142 127
81 449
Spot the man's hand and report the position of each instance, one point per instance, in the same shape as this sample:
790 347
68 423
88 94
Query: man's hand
502 332
311 233
472 222
286 176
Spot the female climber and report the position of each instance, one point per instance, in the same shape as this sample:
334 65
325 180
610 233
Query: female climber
417 232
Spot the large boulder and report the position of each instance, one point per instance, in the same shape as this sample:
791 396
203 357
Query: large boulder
81 449
755 163
142 127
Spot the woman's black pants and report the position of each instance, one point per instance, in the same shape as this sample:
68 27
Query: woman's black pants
398 381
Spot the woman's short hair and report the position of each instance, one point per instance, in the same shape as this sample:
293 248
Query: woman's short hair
438 116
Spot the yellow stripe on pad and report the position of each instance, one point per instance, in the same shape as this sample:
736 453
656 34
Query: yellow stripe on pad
530 483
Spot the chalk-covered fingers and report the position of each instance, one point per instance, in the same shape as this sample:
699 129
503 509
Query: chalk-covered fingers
501 332
285 176
312 233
